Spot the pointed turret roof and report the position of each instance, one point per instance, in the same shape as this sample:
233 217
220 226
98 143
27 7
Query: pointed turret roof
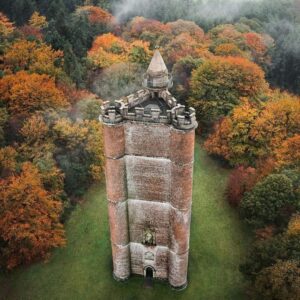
157 65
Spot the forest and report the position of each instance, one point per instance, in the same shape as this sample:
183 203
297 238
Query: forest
236 62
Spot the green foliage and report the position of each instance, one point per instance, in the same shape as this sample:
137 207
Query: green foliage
267 202
266 253
280 281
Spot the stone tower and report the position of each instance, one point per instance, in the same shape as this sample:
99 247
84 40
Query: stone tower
149 149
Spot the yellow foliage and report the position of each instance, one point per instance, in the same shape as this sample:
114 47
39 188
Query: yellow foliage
34 57
6 27
38 21
294 225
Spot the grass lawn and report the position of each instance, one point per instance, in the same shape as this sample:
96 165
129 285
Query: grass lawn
83 269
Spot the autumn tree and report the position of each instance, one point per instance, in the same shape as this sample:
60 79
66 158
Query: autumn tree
182 26
279 116
280 281
139 52
153 31
6 27
108 49
38 147
288 154
34 57
231 137
29 219
294 225
8 161
25 93
95 14
79 153
37 21
3 121
179 47
247 135
229 49
241 180
218 84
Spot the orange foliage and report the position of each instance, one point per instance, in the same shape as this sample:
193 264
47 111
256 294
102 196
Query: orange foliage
181 46
229 49
255 42
8 161
231 136
32 56
25 93
108 49
289 153
96 15
139 25
6 27
182 26
278 121
29 218
252 135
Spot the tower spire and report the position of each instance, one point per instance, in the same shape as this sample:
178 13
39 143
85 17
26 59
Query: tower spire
157 75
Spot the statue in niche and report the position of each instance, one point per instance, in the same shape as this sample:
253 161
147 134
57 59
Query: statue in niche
149 237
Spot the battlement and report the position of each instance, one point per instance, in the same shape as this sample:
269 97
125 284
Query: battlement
149 107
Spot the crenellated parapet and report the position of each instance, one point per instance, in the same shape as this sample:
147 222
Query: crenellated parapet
149 107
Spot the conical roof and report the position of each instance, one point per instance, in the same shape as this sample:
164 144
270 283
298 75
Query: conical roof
157 65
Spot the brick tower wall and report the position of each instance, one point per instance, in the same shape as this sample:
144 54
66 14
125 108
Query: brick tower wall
149 183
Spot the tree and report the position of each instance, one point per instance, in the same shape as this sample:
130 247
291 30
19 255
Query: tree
139 53
3 121
280 116
152 31
218 84
229 49
231 137
8 161
79 153
107 50
265 253
288 155
29 219
182 71
294 225
33 57
241 180
6 27
25 93
267 202
280 281
96 15
253 133
182 26
38 21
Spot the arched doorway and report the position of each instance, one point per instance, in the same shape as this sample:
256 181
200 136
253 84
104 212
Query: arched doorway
149 272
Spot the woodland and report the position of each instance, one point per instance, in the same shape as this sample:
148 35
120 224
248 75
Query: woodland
236 62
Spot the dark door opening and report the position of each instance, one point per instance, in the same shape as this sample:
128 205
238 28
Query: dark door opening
148 278
149 272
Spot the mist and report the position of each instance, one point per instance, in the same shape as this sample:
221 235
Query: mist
170 10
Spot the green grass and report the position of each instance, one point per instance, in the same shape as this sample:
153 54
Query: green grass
83 269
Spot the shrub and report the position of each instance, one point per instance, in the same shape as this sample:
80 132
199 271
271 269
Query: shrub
266 203
240 181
